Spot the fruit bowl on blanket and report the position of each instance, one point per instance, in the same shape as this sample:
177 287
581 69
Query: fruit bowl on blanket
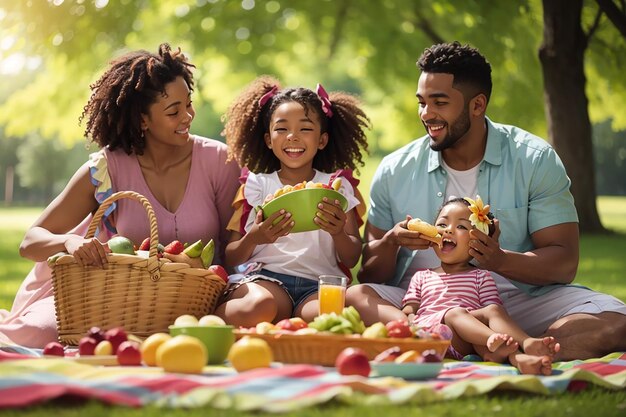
302 204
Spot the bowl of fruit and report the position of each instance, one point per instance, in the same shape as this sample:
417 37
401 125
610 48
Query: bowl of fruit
301 201
410 364
217 336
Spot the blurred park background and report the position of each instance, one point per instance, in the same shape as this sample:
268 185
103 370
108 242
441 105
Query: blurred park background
557 71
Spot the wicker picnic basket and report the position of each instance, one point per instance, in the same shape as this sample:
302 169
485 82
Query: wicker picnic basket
142 295
323 348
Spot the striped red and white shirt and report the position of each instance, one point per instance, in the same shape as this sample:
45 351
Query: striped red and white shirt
437 293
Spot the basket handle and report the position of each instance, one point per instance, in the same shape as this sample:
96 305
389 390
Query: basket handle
153 261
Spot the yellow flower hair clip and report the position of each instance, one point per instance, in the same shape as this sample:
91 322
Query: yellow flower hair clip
480 214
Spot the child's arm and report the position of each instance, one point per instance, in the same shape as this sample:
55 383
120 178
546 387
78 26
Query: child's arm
410 308
240 248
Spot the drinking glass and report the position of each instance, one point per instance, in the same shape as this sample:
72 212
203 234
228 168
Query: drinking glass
332 293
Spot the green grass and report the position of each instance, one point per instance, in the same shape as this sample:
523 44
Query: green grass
602 267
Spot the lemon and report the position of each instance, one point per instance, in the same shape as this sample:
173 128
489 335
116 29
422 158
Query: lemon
182 353
150 346
249 353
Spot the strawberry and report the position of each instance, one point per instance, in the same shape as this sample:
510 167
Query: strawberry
175 247
145 245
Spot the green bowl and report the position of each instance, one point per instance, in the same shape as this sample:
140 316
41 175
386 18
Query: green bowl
217 339
302 204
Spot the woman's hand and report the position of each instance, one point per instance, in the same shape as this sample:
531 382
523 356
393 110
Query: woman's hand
330 217
87 251
185 259
266 231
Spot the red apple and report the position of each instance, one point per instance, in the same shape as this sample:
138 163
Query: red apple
353 361
219 271
129 354
54 348
398 328
298 323
116 336
388 355
286 324
87 346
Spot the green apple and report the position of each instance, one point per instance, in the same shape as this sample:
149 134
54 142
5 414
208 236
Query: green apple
121 244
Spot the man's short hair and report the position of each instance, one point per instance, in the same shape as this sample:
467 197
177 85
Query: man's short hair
464 62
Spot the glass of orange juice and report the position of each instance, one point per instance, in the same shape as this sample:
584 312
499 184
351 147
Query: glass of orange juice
332 293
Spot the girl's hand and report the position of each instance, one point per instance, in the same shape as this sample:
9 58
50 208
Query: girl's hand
330 217
278 224
87 251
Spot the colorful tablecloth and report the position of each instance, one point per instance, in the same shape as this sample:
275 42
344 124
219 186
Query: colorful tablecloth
26 380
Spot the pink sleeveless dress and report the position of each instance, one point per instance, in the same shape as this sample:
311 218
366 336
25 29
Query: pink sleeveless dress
203 214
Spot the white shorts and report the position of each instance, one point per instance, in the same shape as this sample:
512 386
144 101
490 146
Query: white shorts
534 314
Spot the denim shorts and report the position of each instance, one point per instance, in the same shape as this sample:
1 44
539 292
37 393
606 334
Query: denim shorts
297 288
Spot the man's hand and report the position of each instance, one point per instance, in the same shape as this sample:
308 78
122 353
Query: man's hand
486 250
409 239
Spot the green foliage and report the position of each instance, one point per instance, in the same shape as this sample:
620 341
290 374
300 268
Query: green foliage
368 48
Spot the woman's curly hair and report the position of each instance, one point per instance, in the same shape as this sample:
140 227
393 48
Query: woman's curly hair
246 123
125 91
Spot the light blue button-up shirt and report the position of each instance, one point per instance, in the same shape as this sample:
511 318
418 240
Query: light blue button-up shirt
521 177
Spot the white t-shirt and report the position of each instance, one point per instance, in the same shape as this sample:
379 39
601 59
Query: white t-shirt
304 254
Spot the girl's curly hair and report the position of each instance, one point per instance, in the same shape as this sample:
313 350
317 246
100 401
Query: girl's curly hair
125 91
246 123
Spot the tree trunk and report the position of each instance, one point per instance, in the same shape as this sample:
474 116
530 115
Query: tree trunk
569 129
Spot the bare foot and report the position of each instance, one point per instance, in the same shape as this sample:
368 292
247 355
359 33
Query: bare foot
500 346
539 346
531 364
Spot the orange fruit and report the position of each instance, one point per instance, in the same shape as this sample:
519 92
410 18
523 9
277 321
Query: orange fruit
249 353
182 353
150 345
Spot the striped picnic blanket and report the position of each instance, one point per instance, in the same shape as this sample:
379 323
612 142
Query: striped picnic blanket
26 379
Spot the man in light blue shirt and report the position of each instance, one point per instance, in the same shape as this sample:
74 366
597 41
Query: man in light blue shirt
534 252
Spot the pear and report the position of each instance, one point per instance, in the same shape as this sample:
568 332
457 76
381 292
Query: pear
375 331
207 254
194 250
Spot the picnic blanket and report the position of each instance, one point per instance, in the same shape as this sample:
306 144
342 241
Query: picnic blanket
26 379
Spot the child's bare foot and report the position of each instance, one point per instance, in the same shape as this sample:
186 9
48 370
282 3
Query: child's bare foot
531 364
539 346
500 346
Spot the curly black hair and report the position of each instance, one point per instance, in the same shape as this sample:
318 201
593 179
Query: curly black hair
125 91
468 66
246 123
462 200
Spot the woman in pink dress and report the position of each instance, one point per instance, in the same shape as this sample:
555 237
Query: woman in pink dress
139 114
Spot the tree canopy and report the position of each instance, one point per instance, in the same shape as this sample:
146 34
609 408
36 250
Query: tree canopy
368 48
